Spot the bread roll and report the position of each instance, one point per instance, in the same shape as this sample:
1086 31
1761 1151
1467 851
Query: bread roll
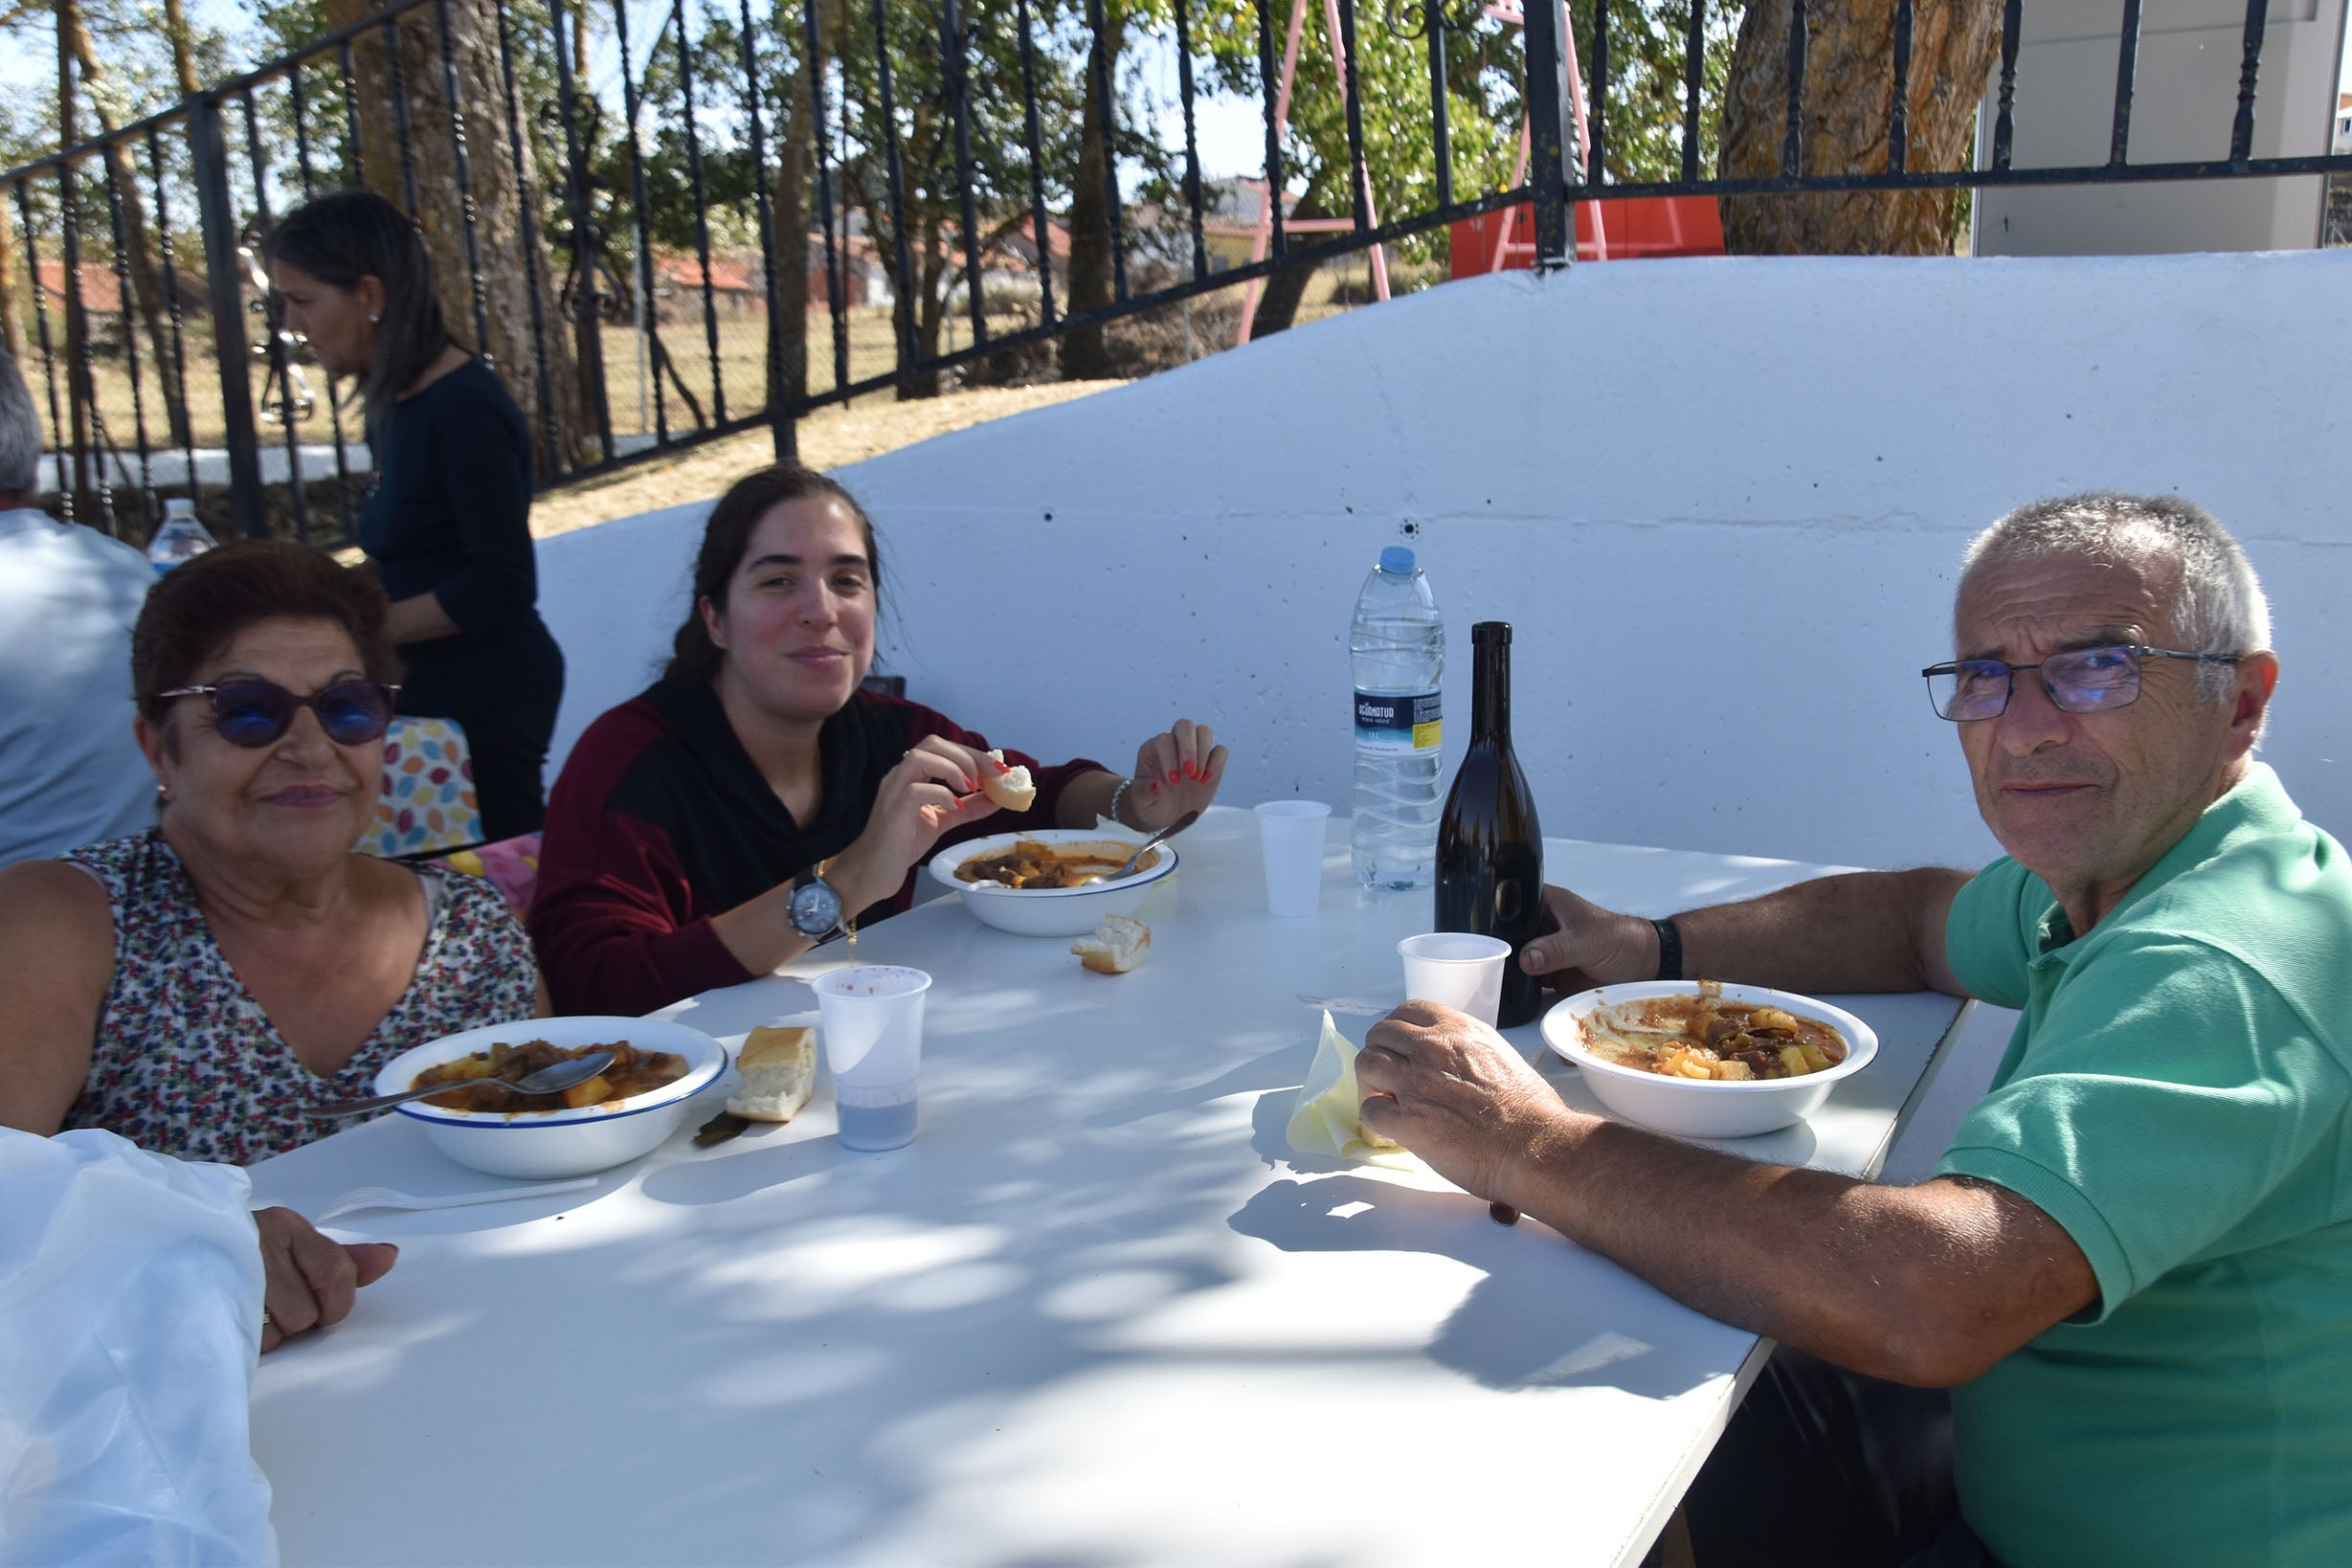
779 1073
1116 946
1012 789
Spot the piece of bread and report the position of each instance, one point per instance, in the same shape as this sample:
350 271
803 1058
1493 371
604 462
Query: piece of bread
779 1073
1116 946
1012 789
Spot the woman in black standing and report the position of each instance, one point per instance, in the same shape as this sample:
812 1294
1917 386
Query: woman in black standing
448 524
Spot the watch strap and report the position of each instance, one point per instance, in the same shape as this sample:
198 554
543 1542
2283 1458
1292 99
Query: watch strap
1669 949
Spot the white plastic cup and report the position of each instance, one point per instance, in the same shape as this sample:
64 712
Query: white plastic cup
1291 832
1456 969
873 1029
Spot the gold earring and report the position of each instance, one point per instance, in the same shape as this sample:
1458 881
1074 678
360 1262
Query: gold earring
163 798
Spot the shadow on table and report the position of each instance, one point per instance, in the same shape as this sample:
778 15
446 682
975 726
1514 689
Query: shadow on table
739 1008
1271 1074
1511 1331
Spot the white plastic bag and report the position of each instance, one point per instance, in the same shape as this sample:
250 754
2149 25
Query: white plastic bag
130 1321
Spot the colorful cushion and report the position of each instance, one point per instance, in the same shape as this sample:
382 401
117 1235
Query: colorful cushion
511 866
425 804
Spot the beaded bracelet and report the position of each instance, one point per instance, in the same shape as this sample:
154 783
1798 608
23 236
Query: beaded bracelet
1118 795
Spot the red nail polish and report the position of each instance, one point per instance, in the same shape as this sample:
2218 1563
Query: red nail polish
1190 771
1155 785
971 784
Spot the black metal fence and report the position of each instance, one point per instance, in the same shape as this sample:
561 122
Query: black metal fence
743 216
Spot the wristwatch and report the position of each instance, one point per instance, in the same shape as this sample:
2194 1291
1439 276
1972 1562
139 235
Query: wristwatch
816 907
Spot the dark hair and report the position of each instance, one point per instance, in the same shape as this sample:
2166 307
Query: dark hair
197 608
345 236
727 537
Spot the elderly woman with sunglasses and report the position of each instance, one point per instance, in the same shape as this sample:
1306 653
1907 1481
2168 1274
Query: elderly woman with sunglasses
194 987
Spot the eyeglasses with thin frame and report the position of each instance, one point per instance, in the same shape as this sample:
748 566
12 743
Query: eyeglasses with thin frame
256 713
2079 680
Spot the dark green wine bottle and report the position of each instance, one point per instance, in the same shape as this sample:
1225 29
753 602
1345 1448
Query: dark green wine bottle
1490 849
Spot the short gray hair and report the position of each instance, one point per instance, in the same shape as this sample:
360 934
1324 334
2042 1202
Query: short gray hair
20 431
2217 605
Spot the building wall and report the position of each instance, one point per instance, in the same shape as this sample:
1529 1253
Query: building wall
2183 110
1722 501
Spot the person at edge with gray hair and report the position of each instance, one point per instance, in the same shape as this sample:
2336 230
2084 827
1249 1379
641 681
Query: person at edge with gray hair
2114 1325
69 771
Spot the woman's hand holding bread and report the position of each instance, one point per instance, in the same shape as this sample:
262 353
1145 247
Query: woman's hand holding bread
934 787
1176 772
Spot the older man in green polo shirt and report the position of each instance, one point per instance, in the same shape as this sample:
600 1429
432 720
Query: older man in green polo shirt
2133 1268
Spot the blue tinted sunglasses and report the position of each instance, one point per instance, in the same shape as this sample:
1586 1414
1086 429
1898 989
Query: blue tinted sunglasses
256 713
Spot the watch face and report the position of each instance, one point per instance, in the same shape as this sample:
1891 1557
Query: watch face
816 908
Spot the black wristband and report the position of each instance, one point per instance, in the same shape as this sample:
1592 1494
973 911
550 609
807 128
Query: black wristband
1669 949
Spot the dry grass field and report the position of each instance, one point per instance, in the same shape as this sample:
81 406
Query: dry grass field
829 439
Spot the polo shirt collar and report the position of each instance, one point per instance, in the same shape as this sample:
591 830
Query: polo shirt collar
2258 803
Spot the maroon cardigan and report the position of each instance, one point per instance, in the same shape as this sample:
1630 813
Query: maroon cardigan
660 820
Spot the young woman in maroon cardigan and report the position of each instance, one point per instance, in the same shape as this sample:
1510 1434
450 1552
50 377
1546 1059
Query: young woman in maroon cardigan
756 795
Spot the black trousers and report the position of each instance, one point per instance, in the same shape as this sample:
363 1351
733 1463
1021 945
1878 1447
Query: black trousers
1824 1468
508 744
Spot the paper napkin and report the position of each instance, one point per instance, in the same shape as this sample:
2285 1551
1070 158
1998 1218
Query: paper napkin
1325 1122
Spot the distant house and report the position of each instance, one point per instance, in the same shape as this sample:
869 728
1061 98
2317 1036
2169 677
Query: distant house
865 280
2341 141
738 286
101 291
1229 213
739 281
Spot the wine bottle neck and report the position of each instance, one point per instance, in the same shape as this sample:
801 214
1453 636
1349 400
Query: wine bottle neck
1491 695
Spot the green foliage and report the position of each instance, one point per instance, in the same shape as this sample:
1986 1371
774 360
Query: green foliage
1648 45
1392 72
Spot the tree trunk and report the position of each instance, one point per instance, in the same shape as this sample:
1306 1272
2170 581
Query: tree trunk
1278 305
930 260
505 301
11 314
1849 90
787 337
146 267
1085 356
183 47
82 496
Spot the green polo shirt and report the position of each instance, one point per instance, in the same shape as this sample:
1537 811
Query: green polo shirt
2175 1096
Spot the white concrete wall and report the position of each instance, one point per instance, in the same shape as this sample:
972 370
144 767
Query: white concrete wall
1721 501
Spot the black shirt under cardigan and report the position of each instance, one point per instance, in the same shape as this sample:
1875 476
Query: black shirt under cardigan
450 516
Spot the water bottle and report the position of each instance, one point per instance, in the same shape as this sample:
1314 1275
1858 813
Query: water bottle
1397 645
180 538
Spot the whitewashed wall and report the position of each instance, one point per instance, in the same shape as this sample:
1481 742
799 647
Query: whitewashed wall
1721 501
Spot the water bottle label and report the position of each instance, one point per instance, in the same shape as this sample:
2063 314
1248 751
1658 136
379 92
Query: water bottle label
1396 724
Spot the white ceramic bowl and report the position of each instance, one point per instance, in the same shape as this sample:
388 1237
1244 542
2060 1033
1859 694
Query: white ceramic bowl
1053 911
558 1143
1694 1109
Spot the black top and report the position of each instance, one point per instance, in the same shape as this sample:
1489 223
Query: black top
450 516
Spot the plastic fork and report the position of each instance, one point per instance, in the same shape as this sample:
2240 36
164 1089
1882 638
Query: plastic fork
391 1198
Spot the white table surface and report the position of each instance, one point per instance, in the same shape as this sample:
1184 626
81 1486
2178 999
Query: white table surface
1098 1312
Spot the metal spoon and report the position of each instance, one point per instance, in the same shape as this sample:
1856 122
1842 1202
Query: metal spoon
1144 848
550 1079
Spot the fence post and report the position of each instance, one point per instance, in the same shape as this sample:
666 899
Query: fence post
1546 168
232 357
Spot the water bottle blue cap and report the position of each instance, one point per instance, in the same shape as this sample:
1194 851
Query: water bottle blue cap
1397 560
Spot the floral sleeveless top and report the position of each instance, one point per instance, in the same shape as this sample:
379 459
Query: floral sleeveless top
187 1064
